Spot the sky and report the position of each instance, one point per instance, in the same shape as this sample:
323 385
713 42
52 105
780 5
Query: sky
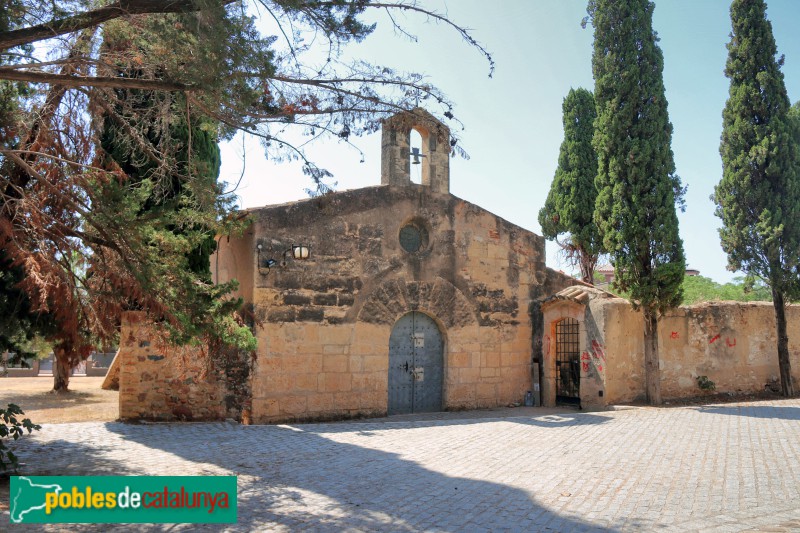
512 121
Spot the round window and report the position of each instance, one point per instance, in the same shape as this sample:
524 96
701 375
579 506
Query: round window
413 237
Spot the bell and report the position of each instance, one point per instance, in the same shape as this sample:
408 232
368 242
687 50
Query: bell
416 153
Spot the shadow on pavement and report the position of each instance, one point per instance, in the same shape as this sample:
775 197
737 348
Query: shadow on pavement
300 478
754 411
399 422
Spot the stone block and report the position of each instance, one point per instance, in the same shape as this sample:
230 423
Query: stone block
277 383
475 359
508 393
356 364
489 373
514 343
300 363
374 381
267 363
469 375
514 358
459 360
490 359
335 316
320 403
345 299
460 394
486 390
374 401
309 348
490 347
310 314
335 363
296 299
336 335
305 382
347 400
281 314
376 363
515 372
335 349
334 382
327 299
294 405
363 349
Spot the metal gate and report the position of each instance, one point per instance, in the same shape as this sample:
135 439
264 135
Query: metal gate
415 365
568 365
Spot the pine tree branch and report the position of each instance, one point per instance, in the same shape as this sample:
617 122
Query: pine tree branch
66 80
94 17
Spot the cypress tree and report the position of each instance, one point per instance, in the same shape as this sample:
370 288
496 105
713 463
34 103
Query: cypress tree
636 182
758 198
190 186
569 207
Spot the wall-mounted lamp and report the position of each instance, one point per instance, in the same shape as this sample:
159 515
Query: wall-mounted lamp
298 252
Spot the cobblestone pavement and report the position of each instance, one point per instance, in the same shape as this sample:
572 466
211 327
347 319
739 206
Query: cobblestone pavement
718 468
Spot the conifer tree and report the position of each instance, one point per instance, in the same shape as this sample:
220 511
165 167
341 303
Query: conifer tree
636 181
569 207
192 59
758 198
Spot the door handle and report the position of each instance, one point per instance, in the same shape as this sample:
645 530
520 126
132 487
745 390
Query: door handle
406 366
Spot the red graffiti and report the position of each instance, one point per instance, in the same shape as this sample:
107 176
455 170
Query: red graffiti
585 366
585 356
729 343
599 368
674 335
714 339
597 350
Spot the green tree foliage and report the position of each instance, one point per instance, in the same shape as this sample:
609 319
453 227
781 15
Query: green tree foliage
204 70
21 330
636 181
20 327
758 198
569 207
698 289
12 427
192 191
179 217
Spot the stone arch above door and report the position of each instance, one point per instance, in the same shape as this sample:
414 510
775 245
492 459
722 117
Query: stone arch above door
439 298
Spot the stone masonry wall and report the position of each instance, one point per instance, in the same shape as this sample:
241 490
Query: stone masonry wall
165 383
323 347
731 343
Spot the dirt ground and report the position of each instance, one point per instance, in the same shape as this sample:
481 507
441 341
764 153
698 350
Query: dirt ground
85 402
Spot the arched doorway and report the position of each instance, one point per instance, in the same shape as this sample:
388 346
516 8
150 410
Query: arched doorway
416 365
568 365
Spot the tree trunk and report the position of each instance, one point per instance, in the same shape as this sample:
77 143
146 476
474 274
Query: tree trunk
61 370
587 264
787 387
652 370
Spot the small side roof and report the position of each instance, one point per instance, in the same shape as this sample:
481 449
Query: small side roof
581 294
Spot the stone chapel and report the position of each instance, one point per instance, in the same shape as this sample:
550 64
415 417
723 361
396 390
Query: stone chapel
410 300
